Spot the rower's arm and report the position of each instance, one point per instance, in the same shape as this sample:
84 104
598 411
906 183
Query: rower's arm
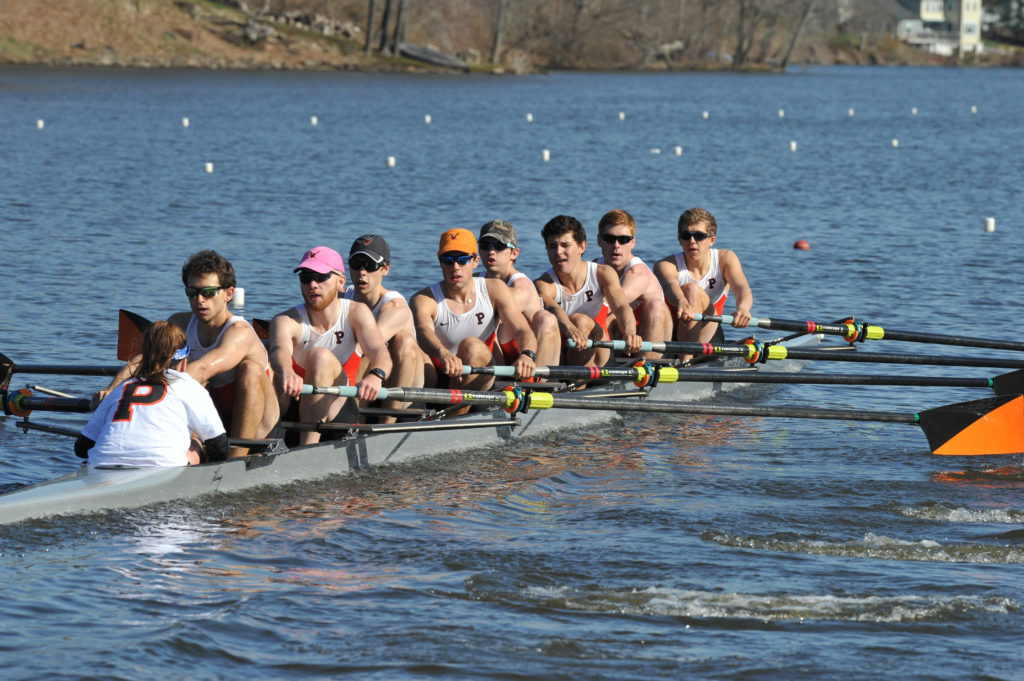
395 315
424 312
608 279
508 311
233 347
546 289
372 342
285 333
733 273
668 276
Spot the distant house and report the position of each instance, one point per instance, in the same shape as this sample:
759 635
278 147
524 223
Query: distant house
947 26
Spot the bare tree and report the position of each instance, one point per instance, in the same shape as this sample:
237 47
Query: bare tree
796 34
400 25
369 27
384 25
499 28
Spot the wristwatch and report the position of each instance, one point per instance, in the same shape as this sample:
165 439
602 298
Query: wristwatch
379 373
529 353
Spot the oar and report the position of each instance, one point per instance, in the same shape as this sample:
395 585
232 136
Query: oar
22 403
853 331
8 366
1011 383
755 352
994 425
130 330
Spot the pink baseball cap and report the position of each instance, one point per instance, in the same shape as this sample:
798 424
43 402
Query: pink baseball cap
323 260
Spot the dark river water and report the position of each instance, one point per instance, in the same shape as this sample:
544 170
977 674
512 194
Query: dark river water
657 547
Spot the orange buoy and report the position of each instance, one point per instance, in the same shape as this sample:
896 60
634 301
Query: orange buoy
802 245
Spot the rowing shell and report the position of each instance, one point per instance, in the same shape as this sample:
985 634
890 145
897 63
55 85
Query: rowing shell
90 489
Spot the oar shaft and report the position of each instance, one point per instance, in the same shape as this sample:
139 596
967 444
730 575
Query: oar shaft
799 378
870 331
18 403
67 369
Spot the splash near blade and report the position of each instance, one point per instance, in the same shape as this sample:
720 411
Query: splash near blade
994 425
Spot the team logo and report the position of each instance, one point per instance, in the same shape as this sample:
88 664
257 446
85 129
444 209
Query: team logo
339 336
589 294
711 283
480 318
366 241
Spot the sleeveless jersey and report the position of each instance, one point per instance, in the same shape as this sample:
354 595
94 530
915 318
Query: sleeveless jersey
589 300
637 302
479 321
139 425
713 280
339 339
197 349
350 294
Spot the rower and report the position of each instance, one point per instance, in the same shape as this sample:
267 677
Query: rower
616 235
150 418
316 342
581 294
499 249
225 354
369 261
698 279
456 319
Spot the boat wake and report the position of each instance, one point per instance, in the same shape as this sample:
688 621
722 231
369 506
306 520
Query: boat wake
941 512
877 547
780 607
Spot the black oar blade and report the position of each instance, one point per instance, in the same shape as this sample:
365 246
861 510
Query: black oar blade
130 330
262 328
1011 383
994 425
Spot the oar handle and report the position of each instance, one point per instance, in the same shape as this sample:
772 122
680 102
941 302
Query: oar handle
613 345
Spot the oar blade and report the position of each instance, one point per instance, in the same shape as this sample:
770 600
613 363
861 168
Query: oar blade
1011 383
130 330
262 328
6 371
994 425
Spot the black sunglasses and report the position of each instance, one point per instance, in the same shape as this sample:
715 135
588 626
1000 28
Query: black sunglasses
204 291
452 259
491 245
612 238
696 236
362 262
309 276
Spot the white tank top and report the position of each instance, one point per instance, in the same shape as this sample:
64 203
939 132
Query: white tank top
637 302
151 425
516 277
478 321
713 281
339 339
350 294
197 349
588 300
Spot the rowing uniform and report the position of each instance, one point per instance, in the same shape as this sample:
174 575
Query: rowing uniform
144 424
479 321
510 348
222 385
713 281
350 294
589 300
638 302
339 339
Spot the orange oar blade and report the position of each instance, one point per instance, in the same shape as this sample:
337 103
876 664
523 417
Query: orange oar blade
130 329
994 425
262 329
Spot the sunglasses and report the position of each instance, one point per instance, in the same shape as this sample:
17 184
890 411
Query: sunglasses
308 276
489 245
463 259
204 291
613 238
361 262
696 236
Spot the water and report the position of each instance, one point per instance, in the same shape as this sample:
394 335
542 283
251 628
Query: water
671 546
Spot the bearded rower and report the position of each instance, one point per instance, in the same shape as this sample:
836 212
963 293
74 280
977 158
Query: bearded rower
316 342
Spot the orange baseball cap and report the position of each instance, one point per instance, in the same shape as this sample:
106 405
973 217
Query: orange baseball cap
460 240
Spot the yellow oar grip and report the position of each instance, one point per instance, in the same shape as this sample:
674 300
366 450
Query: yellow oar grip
777 352
875 333
539 400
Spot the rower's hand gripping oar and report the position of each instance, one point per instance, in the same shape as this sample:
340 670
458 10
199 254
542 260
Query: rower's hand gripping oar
855 332
991 426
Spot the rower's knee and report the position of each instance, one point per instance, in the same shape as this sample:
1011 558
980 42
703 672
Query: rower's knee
474 351
322 367
403 348
544 324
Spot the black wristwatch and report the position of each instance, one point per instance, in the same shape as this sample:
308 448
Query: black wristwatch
379 373
529 353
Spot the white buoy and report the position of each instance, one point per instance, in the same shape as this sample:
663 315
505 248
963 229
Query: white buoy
705 115
185 122
679 151
850 111
209 167
239 298
546 155
895 143
974 109
314 121
792 145
913 111
990 224
427 119
529 118
391 161
622 115
782 113
655 151
40 123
